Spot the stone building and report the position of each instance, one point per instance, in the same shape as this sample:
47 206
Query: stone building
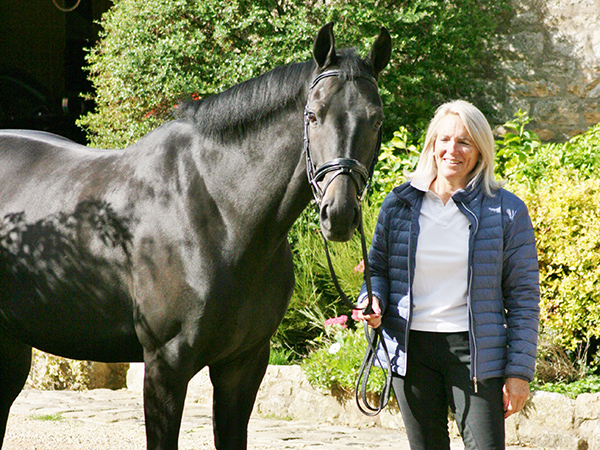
550 66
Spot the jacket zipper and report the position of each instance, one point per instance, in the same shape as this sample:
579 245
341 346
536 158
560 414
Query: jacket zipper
409 267
410 305
469 305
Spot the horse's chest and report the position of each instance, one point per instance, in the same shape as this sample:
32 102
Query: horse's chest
222 305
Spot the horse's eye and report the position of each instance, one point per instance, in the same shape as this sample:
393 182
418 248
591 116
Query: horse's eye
377 124
312 117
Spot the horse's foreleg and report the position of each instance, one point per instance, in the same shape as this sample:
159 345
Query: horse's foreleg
165 388
235 387
15 361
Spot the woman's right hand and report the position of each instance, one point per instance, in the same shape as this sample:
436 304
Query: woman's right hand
373 319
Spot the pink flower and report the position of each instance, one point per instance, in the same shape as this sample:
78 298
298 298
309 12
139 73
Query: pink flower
360 268
337 321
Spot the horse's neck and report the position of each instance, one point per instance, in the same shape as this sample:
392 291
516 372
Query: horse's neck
259 183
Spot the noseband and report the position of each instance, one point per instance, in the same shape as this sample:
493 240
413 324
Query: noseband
357 171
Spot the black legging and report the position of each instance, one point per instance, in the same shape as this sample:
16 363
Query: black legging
437 378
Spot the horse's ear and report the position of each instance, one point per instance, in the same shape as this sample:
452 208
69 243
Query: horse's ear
380 53
324 47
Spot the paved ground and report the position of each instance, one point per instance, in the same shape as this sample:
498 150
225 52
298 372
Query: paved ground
102 419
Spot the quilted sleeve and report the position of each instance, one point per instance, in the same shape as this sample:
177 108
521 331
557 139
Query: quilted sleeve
520 287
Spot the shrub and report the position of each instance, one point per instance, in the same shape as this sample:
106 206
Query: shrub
151 53
397 157
336 358
588 384
522 159
518 158
565 215
560 184
315 298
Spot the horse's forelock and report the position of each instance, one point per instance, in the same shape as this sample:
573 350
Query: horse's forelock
351 65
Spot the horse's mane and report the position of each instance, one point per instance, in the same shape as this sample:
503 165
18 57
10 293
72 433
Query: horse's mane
260 98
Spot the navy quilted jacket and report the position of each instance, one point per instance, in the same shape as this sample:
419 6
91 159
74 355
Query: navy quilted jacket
503 291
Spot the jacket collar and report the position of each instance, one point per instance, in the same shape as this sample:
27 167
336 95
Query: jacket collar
407 193
471 192
412 190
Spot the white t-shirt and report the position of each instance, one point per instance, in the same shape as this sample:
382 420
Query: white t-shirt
441 268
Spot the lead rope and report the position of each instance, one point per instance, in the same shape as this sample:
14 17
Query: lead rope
373 337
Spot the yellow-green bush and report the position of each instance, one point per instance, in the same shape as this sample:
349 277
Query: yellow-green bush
566 216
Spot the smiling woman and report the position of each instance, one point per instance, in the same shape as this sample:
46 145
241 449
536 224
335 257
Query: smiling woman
459 119
454 267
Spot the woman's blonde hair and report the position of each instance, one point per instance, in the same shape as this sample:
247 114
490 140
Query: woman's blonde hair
480 132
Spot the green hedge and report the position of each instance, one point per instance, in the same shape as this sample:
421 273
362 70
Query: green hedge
151 53
565 212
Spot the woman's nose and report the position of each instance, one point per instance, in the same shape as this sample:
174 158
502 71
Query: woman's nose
452 146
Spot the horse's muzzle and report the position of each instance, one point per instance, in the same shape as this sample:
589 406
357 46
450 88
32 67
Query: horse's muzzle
339 213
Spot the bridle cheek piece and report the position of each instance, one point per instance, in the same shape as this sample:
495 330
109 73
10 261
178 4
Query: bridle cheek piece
357 171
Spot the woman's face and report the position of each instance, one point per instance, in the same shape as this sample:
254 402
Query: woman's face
454 152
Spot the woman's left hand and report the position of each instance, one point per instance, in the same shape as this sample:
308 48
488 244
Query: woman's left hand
373 319
516 392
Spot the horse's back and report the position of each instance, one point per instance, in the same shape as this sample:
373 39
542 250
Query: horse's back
25 145
42 173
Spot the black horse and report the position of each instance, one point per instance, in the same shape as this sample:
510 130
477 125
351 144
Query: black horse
174 251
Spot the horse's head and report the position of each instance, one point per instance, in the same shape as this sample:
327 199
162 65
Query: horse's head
343 120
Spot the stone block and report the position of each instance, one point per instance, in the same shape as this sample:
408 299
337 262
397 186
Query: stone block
549 422
511 427
527 44
585 88
535 88
587 418
557 111
591 113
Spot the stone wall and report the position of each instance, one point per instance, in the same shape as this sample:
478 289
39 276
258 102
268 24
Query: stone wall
555 421
550 65
56 373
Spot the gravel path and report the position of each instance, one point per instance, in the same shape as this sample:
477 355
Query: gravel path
102 419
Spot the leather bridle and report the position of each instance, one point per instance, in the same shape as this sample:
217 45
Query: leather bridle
361 176
357 171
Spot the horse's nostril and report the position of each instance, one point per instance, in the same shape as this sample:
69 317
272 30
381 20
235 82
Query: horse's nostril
356 220
324 214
